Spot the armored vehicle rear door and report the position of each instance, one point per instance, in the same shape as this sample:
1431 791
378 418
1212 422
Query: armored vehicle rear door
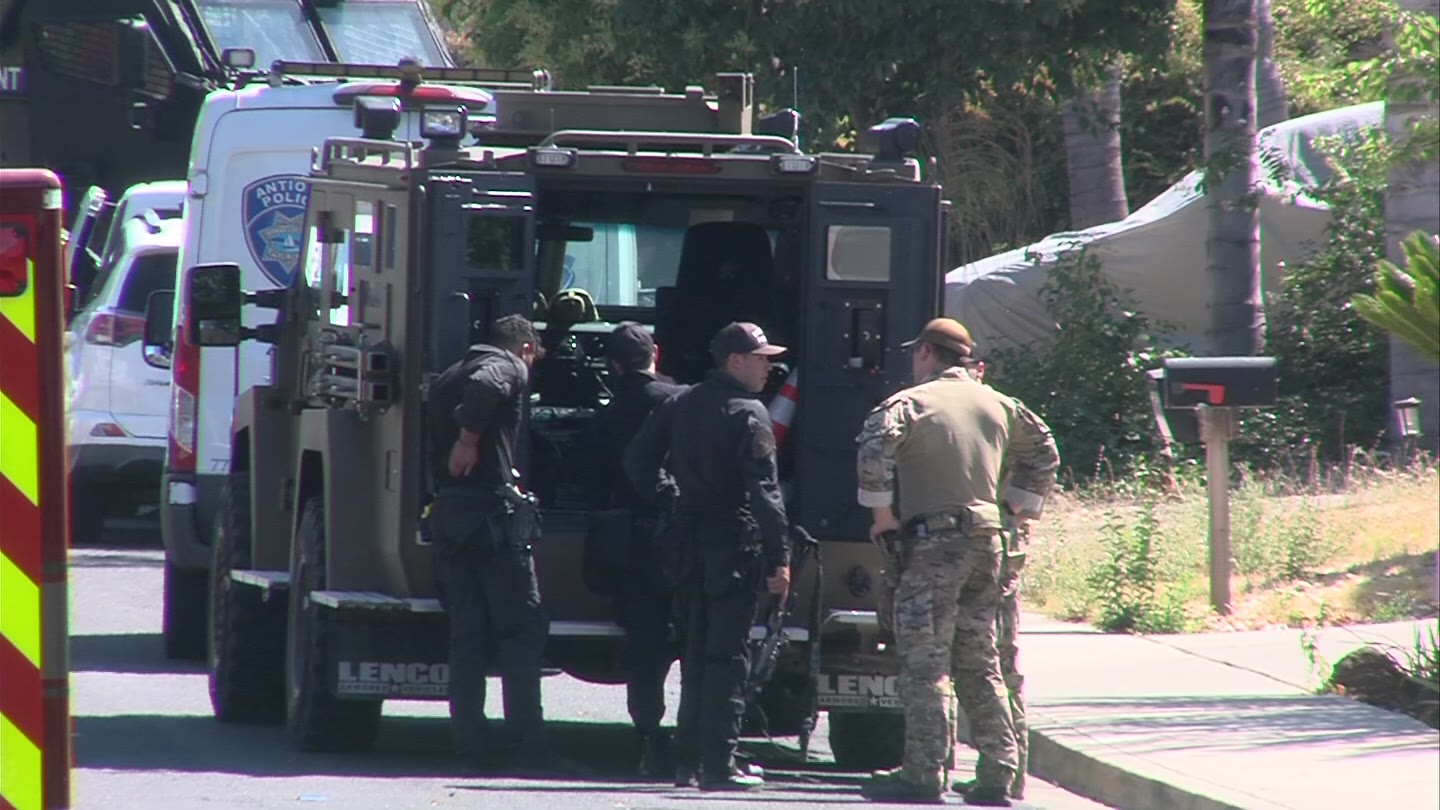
874 279
482 257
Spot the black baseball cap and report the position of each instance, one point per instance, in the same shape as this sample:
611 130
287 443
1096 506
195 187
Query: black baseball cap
743 338
629 345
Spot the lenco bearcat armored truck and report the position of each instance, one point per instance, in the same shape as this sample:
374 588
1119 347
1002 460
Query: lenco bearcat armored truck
578 209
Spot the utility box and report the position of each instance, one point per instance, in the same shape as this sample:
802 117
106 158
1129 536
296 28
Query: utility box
1220 382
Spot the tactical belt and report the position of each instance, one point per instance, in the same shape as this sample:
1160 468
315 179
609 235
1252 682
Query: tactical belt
926 525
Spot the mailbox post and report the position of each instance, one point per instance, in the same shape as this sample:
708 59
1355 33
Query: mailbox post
1212 388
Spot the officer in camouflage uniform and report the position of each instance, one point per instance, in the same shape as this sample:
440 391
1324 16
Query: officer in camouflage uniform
946 439
1015 536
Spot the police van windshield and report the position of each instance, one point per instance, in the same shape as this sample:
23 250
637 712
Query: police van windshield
274 29
381 32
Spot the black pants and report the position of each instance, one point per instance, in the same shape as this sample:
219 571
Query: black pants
493 601
719 610
644 612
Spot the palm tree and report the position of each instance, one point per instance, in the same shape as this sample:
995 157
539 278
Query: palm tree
1409 207
1270 102
1406 301
1094 163
1237 319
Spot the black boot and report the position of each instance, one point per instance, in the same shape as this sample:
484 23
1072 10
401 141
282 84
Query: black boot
655 759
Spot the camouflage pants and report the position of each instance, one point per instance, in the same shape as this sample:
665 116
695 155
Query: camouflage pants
945 617
1007 626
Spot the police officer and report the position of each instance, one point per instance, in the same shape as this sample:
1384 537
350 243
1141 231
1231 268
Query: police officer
716 441
946 438
642 600
1015 537
481 552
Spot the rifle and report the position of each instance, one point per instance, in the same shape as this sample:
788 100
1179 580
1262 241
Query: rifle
762 667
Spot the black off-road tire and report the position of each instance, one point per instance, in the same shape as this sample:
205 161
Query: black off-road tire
247 633
318 720
183 613
867 742
87 521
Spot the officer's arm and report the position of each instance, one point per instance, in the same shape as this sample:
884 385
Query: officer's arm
875 456
1031 459
645 454
762 481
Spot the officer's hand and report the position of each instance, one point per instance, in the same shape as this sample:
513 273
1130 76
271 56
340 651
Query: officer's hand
881 524
779 582
463 457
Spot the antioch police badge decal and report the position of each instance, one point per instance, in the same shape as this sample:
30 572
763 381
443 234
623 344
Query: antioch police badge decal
274 213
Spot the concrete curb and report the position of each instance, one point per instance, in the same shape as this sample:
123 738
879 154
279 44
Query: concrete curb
1072 760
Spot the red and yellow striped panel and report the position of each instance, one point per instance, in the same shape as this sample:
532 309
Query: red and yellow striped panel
22 727
34 654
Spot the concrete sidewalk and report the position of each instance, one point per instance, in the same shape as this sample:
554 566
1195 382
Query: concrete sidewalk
1215 721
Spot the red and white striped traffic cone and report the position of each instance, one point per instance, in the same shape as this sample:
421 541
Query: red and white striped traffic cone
782 407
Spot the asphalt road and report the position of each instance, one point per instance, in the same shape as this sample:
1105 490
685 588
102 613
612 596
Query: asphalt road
145 738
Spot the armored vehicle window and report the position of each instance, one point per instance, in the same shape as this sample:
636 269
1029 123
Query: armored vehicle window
858 253
380 32
276 29
339 253
496 243
363 249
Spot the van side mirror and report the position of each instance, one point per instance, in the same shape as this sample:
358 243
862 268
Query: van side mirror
159 318
213 300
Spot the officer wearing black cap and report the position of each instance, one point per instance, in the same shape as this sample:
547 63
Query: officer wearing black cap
715 439
628 569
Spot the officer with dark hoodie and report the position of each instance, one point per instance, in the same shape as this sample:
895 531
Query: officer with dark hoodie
631 565
716 440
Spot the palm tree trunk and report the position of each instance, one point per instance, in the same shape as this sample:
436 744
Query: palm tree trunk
1269 87
1410 206
1094 162
1237 317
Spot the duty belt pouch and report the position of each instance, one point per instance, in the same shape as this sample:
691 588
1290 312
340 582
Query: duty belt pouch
516 523
606 552
1016 541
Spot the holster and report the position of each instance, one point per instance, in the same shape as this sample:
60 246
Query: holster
515 522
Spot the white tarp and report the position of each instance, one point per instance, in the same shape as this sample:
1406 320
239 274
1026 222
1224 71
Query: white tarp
1158 252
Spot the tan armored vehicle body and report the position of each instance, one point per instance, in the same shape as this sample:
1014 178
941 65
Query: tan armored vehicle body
579 210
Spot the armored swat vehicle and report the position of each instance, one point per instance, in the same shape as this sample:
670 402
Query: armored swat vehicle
579 209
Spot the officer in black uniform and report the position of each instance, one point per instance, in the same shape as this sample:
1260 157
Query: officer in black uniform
481 534
641 597
715 439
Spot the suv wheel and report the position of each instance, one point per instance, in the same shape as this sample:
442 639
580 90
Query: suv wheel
318 720
184 612
247 633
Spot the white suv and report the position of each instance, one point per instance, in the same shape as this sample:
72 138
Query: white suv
119 405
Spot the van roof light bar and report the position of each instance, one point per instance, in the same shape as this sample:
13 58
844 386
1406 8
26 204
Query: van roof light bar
537 80
634 138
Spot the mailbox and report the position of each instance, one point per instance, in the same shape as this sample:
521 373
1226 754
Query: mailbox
1220 382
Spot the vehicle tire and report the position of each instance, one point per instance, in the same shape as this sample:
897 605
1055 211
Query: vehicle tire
247 633
183 614
318 720
867 742
780 709
87 522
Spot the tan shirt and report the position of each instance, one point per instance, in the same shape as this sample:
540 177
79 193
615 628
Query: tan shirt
946 441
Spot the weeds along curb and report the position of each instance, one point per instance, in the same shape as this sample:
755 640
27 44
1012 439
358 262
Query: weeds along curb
1114 778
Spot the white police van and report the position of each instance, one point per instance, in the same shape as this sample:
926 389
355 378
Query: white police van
245 204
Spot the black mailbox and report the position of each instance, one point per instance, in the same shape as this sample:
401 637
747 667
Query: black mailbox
1220 382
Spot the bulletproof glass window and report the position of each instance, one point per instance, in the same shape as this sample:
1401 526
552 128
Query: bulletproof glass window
381 32
275 29
495 243
857 253
331 254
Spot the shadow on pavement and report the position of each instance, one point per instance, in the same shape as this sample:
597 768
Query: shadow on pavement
1242 724
126 652
407 747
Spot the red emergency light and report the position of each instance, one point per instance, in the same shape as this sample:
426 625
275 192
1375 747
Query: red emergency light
473 99
14 259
